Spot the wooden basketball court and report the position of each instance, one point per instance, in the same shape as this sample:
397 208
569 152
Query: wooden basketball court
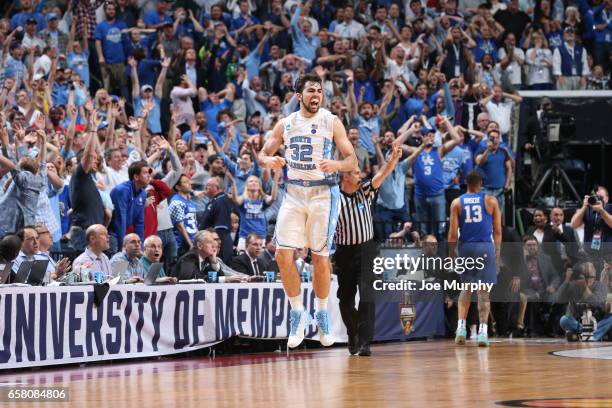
411 374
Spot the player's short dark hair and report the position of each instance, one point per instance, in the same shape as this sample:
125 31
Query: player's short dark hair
473 178
300 84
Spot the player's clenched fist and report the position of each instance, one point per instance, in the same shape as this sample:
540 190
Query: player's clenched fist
276 162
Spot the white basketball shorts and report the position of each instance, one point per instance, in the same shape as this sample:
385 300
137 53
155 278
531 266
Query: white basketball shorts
307 218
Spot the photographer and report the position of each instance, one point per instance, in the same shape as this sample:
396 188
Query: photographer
581 292
596 216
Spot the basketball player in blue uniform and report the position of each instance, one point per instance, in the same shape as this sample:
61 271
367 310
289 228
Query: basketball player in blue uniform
309 212
475 224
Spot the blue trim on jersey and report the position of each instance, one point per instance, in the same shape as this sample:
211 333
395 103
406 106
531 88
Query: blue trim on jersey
313 183
334 213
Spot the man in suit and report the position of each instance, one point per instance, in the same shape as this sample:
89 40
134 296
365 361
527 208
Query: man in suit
202 258
267 259
557 240
538 286
248 262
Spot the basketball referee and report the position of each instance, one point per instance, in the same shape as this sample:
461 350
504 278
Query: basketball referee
355 252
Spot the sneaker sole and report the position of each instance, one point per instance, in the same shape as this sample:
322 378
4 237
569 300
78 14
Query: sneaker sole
460 340
483 344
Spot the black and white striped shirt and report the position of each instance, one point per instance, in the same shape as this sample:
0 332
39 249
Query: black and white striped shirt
355 224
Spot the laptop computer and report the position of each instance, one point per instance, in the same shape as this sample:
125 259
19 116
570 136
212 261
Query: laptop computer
5 271
23 272
188 274
118 268
153 273
37 272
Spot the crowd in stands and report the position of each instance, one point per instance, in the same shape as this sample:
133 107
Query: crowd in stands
131 128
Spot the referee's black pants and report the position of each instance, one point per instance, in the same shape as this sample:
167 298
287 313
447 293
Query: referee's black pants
354 264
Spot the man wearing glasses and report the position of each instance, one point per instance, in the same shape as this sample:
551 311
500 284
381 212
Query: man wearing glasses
36 242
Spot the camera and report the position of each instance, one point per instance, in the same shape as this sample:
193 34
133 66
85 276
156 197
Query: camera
594 199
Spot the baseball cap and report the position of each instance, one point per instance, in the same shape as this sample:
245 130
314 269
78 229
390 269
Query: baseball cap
146 87
52 16
31 20
102 125
568 30
426 131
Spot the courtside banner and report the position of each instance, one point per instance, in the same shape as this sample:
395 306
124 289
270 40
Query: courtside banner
61 325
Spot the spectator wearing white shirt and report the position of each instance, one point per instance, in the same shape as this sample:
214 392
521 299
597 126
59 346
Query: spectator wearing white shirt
94 259
511 60
539 61
396 67
116 168
31 38
350 28
499 107
181 96
570 66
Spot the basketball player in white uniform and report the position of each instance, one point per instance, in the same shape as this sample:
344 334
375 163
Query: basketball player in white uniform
309 212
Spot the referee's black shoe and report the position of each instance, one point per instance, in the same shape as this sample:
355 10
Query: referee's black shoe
353 344
364 350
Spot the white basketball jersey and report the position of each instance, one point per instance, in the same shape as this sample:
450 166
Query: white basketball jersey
307 141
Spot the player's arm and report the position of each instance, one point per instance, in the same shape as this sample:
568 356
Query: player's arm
493 209
349 161
266 156
453 229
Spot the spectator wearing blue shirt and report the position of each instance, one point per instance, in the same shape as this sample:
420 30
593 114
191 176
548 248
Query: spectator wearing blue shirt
137 39
414 106
111 56
244 20
391 206
197 131
77 55
364 119
216 15
485 44
211 104
160 15
183 215
188 25
305 44
129 199
245 167
252 60
426 162
13 64
495 165
364 86
27 12
602 16
146 98
228 136
456 164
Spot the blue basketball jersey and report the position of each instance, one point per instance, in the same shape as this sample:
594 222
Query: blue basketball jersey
475 223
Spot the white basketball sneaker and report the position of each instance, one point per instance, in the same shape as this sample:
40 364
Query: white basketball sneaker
298 320
325 336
